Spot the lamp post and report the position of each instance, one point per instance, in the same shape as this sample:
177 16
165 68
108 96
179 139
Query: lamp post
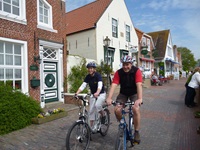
106 42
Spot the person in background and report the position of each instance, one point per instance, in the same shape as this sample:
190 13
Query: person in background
193 84
129 78
186 86
156 79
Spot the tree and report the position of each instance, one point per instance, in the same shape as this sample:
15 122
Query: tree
198 63
188 60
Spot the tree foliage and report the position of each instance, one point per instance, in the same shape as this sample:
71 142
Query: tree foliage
188 60
104 69
76 76
198 63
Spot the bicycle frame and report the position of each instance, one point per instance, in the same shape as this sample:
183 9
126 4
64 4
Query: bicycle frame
84 117
127 128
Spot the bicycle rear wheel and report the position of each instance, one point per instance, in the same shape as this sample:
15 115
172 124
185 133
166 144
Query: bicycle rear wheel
120 139
104 127
78 136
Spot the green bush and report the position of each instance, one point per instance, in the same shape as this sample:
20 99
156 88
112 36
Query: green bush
79 72
16 109
77 76
104 69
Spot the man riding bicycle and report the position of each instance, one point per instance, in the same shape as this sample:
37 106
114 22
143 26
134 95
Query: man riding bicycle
129 78
98 97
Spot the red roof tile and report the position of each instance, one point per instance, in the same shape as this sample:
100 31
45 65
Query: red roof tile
85 17
139 33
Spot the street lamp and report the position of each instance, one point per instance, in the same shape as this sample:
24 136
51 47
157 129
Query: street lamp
106 42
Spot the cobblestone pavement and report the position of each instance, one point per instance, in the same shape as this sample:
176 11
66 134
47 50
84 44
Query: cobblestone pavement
166 124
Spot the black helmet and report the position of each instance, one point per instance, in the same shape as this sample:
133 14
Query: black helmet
91 64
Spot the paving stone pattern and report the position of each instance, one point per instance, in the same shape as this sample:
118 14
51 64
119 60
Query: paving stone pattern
166 124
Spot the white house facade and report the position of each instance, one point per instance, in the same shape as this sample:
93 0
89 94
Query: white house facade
114 24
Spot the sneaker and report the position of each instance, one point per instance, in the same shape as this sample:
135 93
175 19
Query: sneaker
137 137
103 120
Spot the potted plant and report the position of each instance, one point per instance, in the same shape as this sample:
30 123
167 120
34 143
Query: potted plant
50 115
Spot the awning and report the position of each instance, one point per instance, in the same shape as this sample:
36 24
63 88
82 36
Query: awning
147 59
170 60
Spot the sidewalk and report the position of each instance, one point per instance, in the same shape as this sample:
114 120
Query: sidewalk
166 124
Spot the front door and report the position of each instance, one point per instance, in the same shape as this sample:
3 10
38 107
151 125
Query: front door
50 75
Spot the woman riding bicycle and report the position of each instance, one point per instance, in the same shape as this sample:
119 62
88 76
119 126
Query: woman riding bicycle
129 78
98 96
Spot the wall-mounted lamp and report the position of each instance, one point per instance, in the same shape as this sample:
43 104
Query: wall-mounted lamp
37 59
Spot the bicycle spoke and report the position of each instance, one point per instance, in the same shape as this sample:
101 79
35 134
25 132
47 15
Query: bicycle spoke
119 143
105 126
78 137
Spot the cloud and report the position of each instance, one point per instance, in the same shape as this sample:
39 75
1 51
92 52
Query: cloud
175 4
192 23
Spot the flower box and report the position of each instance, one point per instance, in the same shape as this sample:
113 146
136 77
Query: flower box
37 120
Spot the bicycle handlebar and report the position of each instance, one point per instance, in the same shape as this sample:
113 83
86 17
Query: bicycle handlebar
114 103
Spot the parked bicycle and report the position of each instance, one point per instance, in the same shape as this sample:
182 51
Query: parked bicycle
79 134
125 133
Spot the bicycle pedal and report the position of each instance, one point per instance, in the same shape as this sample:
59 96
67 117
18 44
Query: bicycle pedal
136 143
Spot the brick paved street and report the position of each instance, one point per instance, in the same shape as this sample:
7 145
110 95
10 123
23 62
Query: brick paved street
167 124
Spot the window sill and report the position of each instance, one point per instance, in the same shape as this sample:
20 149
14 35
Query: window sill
14 19
46 28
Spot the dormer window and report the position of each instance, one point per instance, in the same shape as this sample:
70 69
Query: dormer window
13 10
45 19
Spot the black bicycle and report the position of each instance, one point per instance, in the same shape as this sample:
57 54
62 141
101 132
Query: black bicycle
125 131
79 134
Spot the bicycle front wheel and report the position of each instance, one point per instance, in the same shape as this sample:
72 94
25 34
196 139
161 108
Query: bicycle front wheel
78 136
105 126
120 140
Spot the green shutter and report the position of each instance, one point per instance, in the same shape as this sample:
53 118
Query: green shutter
113 54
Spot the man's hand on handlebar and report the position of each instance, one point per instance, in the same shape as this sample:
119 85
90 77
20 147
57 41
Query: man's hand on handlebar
109 101
138 102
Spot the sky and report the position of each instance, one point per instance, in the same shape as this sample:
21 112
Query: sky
182 17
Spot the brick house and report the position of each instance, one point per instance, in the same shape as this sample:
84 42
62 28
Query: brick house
89 25
33 47
145 60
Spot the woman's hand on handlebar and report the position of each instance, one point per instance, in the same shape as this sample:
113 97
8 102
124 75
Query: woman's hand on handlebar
96 95
76 96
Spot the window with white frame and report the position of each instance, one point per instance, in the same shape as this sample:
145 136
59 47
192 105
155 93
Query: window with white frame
44 15
144 41
114 28
14 10
169 51
12 67
128 34
148 44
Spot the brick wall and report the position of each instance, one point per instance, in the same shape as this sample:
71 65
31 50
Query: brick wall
31 34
